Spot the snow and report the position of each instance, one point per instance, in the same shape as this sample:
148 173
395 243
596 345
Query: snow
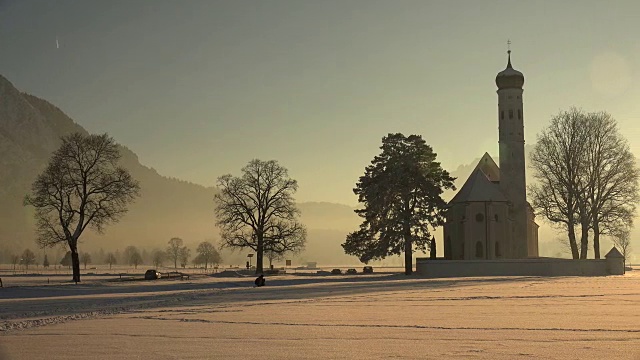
326 317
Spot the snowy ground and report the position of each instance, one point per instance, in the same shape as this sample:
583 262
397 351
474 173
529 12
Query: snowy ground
382 316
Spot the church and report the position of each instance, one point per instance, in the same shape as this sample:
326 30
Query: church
490 218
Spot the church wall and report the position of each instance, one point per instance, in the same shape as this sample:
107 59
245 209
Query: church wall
532 234
463 231
475 228
502 225
476 243
454 232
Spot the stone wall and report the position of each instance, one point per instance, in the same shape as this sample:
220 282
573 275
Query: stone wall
439 268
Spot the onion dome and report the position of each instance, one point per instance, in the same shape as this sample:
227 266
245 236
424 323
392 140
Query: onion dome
509 78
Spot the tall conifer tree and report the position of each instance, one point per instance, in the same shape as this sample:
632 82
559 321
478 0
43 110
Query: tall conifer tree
401 192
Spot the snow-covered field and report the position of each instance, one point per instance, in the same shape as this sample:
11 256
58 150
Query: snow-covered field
306 316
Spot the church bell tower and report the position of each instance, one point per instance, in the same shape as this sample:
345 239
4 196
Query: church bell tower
512 160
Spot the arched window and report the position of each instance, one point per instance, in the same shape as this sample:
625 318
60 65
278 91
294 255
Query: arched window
479 217
479 250
510 113
498 252
502 115
496 217
519 114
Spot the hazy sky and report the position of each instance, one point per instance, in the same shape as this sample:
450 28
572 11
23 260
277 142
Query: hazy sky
198 88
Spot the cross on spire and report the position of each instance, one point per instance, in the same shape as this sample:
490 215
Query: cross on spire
509 53
508 46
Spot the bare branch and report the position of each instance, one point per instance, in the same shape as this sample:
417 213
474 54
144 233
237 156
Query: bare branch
257 210
586 176
81 186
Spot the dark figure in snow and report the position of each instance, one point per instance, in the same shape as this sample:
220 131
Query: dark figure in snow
259 280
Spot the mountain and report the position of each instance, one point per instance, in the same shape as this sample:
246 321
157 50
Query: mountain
30 130
27 137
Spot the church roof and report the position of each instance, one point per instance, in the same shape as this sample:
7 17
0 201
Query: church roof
482 184
509 77
489 167
614 253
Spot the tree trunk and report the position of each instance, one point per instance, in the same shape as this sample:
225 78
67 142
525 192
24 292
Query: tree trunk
584 241
432 248
260 254
572 240
596 239
408 256
75 262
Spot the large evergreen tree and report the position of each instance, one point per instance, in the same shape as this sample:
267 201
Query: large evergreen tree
401 194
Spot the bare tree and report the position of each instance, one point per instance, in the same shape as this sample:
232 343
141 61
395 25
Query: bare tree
99 257
565 247
86 259
254 210
135 260
184 255
110 259
158 258
207 254
197 261
586 177
133 256
15 260
622 240
81 186
28 258
557 161
610 179
284 237
173 250
45 262
273 256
